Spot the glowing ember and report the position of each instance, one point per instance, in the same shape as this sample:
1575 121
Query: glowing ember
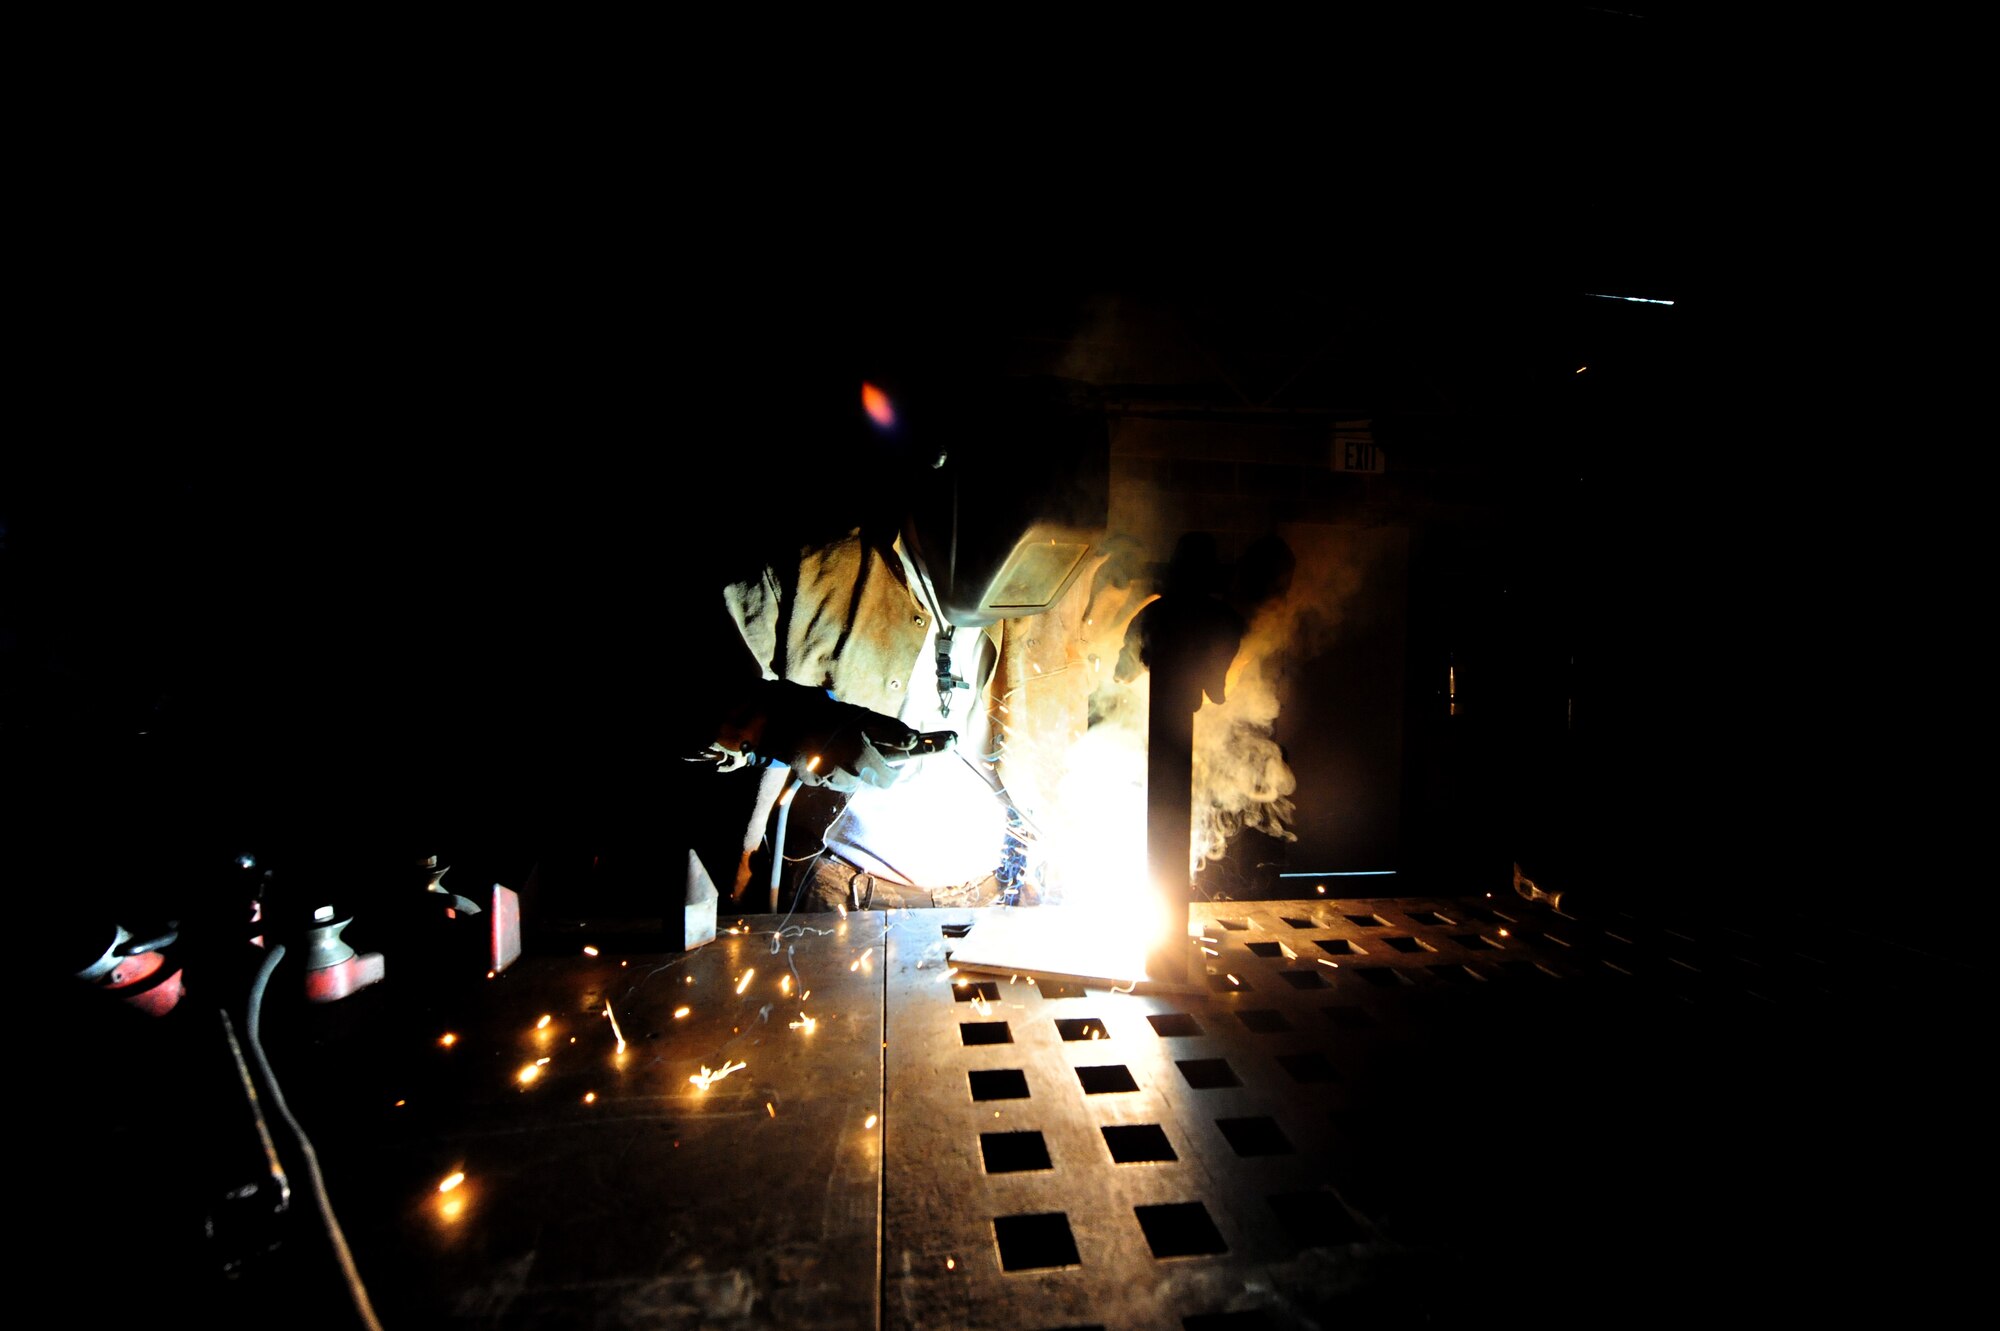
451 1181
589 951
447 1039
785 985
680 1012
870 1123
590 1097
529 1073
876 403
542 1024
704 1079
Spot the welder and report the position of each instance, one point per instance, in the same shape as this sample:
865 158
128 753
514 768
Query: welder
885 654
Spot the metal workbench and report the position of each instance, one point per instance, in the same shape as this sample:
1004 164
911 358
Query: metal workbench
1363 1112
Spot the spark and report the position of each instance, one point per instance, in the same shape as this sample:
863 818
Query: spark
541 1062
767 1109
1211 952
624 963
812 763
1503 933
687 979
680 1012
543 1023
447 1039
618 1034
806 1024
1324 962
842 909
870 1122
590 1097
401 1103
704 1079
1233 980
529 1073
744 983
1581 368
1320 888
950 1263
491 974
876 403
785 985
452 1180
589 951
1643 300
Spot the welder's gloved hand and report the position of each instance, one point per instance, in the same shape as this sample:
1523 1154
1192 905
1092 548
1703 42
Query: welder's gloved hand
793 724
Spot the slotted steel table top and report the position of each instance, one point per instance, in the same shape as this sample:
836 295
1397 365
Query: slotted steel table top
1363 1112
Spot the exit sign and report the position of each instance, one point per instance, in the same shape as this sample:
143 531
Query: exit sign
1355 449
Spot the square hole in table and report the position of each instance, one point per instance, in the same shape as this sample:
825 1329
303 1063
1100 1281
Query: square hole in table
984 1032
1264 1021
959 930
1405 943
1339 947
1315 1219
1453 973
1174 1025
1106 1079
1013 1152
1431 917
1248 1320
1308 1067
1179 1229
1059 988
1255 1136
1383 977
1081 1028
1266 949
1521 968
1369 921
1138 1142
1298 923
1207 1074
1348 1017
966 991
1476 941
1234 926
1303 979
1035 1242
998 1084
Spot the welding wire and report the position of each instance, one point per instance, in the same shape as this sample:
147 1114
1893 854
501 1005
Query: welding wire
253 1028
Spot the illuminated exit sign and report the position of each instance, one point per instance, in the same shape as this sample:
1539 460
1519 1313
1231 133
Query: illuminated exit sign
1355 449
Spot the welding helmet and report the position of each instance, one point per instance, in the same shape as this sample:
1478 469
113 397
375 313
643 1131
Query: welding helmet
1009 496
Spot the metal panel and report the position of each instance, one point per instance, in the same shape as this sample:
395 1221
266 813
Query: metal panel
609 1189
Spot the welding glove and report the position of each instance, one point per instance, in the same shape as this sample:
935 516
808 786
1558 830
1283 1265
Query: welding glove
792 724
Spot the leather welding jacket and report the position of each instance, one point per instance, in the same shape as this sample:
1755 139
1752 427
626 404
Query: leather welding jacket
848 618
